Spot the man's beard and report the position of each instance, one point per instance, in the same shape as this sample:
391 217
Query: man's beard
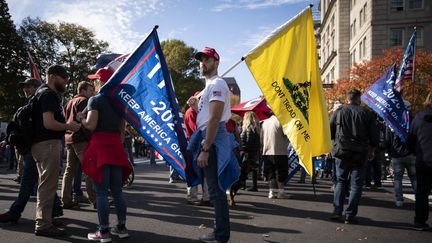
59 87
207 71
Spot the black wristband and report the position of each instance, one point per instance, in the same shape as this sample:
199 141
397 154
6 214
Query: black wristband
205 150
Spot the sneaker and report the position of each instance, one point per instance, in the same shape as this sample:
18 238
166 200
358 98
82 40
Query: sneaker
81 199
70 205
336 217
351 220
252 189
399 203
121 232
58 223
209 238
51 231
282 195
421 226
272 195
98 236
17 179
7 218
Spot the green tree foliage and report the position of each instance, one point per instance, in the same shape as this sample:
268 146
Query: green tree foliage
12 64
71 45
184 69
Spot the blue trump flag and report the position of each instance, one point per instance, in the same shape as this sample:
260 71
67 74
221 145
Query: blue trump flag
388 103
406 70
143 93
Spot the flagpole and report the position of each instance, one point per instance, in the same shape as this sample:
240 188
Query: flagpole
232 67
414 54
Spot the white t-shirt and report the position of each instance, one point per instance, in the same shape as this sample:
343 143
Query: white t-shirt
216 89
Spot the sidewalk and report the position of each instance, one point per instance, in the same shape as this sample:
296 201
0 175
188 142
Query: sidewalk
157 212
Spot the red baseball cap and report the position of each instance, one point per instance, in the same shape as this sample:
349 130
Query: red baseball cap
208 51
103 74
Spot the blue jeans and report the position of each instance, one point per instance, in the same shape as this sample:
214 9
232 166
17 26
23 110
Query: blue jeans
353 174
112 180
399 166
28 181
219 200
152 156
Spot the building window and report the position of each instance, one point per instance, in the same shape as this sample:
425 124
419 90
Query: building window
415 4
354 27
351 31
332 22
361 17
364 13
397 5
360 50
333 41
396 36
332 75
364 46
354 56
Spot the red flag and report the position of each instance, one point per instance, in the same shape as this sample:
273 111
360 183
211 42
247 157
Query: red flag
33 69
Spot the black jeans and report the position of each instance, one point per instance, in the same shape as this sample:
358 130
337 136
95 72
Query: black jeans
373 170
276 167
424 185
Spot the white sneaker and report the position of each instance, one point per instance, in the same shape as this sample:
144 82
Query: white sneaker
272 195
399 203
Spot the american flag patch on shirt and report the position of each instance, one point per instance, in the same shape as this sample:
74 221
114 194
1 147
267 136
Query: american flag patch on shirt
217 93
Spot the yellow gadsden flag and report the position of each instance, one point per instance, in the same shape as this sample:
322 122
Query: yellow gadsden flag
285 66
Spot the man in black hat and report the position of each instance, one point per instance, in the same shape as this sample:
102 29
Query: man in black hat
29 87
49 129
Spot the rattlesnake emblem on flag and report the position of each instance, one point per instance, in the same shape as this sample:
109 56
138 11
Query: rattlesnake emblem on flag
300 95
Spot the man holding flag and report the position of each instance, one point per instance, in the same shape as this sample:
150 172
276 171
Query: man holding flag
213 154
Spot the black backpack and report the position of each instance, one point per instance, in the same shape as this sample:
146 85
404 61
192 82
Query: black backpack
20 130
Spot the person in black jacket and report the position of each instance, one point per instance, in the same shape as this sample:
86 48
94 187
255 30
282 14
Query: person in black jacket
420 142
250 140
401 159
354 131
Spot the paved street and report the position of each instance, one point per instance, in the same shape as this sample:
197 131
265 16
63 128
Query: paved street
157 212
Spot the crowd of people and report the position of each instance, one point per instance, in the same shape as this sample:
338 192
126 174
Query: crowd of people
99 143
